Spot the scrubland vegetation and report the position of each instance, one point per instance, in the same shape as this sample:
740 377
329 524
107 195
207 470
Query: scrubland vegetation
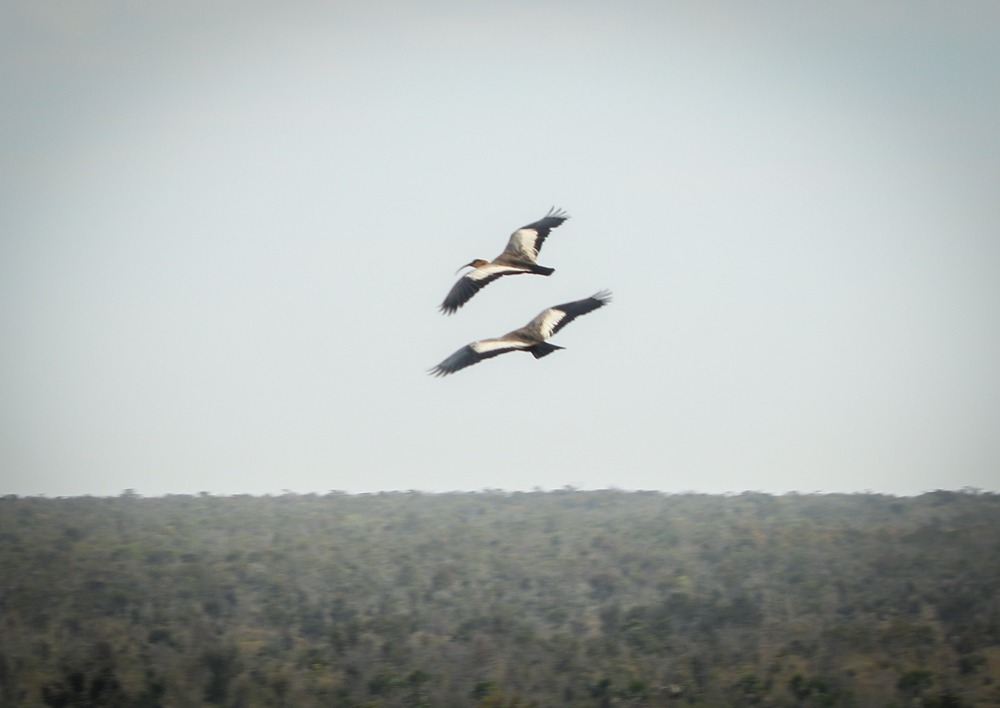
564 598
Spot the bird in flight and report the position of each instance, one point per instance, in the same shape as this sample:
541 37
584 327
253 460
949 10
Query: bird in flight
530 338
520 256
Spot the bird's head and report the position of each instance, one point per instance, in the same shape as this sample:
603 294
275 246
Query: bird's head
475 263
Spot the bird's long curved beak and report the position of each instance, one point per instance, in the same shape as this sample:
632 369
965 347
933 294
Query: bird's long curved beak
470 264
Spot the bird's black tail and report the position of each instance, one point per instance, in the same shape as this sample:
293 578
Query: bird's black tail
542 270
543 349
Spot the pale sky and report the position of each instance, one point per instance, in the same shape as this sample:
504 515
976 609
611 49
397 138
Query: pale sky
225 230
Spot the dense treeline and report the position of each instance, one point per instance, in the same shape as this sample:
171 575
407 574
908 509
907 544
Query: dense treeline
493 599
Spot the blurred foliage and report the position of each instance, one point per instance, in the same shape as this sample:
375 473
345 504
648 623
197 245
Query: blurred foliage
567 598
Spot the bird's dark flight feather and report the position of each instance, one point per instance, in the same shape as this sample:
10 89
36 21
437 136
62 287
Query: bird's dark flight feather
580 307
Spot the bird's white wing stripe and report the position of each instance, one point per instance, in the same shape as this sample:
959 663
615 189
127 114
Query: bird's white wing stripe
489 270
548 321
523 241
489 345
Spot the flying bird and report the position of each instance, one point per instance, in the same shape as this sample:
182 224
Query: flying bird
530 338
520 256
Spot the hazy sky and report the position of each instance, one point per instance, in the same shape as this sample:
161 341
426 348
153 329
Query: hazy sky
225 230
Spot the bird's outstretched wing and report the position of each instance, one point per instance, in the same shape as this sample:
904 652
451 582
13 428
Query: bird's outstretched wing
553 319
474 353
474 281
527 241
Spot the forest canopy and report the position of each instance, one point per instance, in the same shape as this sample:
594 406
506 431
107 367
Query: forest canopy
568 597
